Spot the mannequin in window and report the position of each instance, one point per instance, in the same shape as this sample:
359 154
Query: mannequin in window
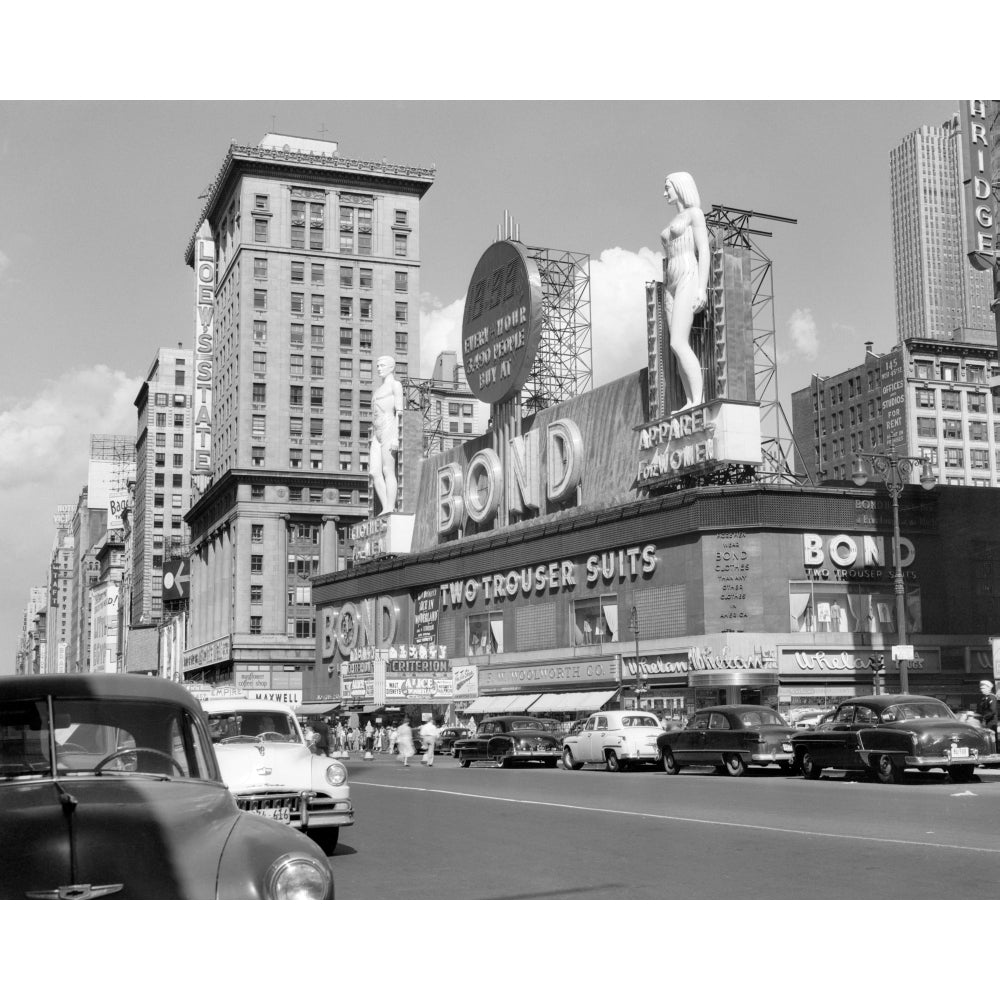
387 402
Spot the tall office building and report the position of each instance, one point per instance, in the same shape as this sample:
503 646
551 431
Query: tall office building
163 478
307 270
31 647
939 294
60 582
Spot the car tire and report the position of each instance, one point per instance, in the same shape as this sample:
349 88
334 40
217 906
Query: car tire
735 765
669 762
501 760
568 762
551 763
787 767
326 840
464 762
961 773
888 769
808 766
611 761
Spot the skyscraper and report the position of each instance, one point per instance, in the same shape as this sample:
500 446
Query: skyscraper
939 295
307 270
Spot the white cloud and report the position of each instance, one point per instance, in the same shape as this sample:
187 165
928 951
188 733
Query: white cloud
618 315
45 441
804 334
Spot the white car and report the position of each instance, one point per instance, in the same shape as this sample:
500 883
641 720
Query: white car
615 739
272 771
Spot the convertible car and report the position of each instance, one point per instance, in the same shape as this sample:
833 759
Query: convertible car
732 737
109 786
885 734
272 770
512 739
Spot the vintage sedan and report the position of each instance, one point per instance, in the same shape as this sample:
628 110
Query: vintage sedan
885 734
109 786
618 740
271 768
447 737
511 739
732 737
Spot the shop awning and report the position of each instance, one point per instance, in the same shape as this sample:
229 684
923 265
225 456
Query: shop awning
500 703
317 707
573 701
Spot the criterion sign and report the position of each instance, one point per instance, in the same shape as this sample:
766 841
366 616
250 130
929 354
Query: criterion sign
502 324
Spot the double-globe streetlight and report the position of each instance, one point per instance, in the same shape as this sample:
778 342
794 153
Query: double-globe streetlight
895 471
640 684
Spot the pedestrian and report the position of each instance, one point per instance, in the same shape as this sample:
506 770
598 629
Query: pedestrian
428 736
404 740
987 707
322 745
393 731
369 736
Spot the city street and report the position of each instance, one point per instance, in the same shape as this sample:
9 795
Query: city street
489 833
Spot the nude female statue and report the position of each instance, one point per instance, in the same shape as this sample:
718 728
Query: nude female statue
386 403
685 244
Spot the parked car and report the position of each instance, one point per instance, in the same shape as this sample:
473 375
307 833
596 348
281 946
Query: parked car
810 720
511 739
575 727
272 769
732 737
109 786
885 734
447 736
618 740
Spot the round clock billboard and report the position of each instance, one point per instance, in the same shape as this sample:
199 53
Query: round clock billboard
502 324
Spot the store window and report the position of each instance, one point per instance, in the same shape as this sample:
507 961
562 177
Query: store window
595 620
849 607
484 634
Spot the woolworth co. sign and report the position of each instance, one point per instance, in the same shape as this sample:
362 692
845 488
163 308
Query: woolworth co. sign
502 323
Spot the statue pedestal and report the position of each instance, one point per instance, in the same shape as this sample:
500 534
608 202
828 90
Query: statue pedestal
385 535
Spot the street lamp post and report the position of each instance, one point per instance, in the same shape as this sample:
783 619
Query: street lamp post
895 471
640 685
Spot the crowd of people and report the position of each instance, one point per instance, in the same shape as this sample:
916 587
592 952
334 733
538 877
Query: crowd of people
329 739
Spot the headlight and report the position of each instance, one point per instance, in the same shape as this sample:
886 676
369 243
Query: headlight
297 877
336 774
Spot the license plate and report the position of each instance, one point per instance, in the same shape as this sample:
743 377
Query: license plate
282 814
958 752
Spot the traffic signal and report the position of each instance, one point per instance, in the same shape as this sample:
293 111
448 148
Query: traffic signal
876 663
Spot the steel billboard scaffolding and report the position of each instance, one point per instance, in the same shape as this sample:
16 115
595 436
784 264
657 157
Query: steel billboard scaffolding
732 227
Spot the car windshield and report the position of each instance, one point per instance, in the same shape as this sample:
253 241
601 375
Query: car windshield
916 710
648 721
248 726
547 725
102 736
762 717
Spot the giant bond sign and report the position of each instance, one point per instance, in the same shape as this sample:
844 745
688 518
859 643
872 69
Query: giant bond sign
502 323
979 200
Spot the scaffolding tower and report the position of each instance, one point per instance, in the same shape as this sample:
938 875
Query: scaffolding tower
731 226
117 451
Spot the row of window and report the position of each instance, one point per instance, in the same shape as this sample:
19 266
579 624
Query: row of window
160 419
317 276
954 458
952 429
164 399
308 229
317 365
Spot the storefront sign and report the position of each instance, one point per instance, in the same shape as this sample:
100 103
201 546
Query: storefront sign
608 566
258 680
722 432
979 200
505 678
204 286
834 661
846 557
215 651
466 681
426 609
893 381
502 323
416 689
705 658
281 697
667 665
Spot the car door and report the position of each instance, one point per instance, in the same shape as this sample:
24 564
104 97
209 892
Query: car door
718 736
601 738
836 738
689 744
585 745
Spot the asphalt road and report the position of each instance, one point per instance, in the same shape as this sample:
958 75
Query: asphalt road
532 833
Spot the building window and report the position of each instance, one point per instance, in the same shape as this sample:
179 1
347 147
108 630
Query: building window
178 420
849 607
297 334
347 277
977 430
929 454
295 427
160 420
295 458
484 634
953 429
258 424
317 336
346 368
365 340
178 378
298 225
317 274
925 398
260 269
316 303
298 270
178 440
256 492
399 244
345 461
979 458
296 365
950 399
953 458
260 331
256 624
316 366
315 460
161 399
177 482
161 440
976 402
365 309
259 392
256 593
976 374
347 401
260 230
256 532
402 281
257 456
345 496
365 400
949 372
402 370
926 427
257 562
595 620
158 479
178 461
346 308
346 430
366 278
401 217
346 338
365 370
295 395
260 202
160 459
401 312
260 362
317 223
316 395
298 302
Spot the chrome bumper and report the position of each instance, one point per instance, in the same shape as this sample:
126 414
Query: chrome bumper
942 760
772 757
336 812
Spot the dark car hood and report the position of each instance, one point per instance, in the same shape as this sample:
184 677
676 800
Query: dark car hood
159 839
